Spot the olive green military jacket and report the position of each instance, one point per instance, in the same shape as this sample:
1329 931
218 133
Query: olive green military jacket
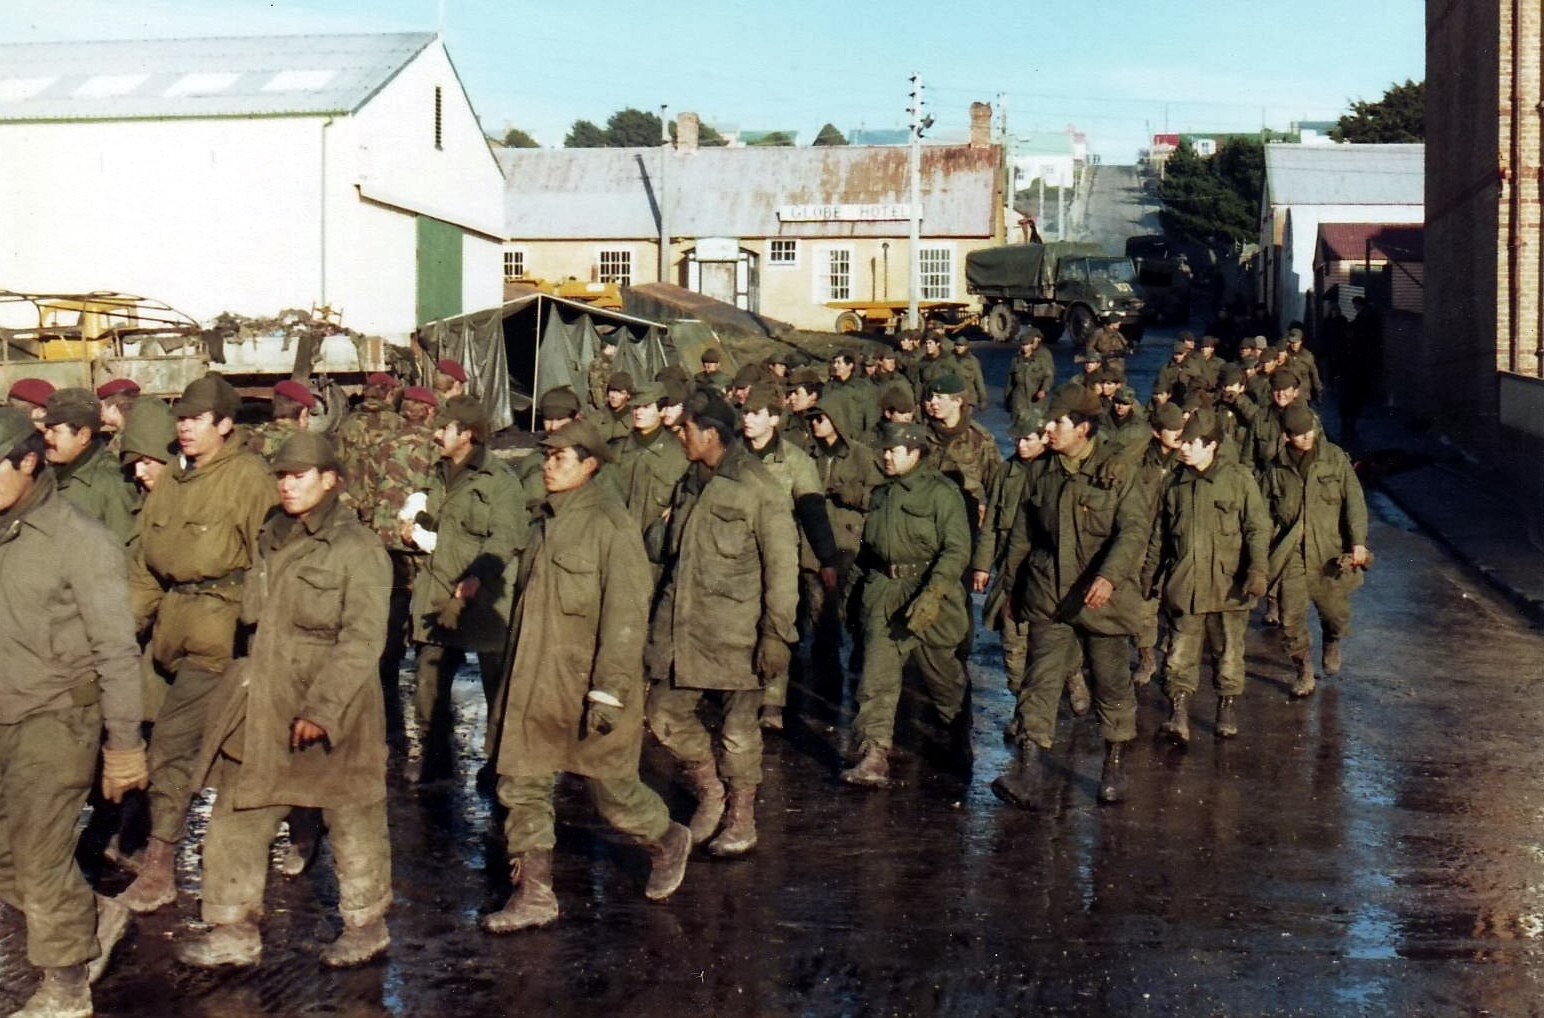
916 538
1029 377
1212 531
969 370
481 525
795 472
967 454
1133 431
1318 513
66 633
1306 367
1078 523
1267 438
95 485
992 546
582 620
317 597
732 575
857 400
647 470
849 473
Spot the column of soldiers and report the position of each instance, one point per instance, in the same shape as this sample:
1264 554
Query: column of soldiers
673 546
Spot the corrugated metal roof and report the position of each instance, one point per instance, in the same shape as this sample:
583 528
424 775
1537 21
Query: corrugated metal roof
1340 242
612 193
1345 174
176 78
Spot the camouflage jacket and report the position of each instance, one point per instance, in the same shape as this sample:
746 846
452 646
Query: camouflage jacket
400 466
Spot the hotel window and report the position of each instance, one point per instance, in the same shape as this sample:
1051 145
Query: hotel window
783 252
616 267
937 264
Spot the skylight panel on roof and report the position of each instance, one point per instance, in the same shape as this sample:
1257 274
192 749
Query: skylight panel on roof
299 81
15 90
104 86
202 83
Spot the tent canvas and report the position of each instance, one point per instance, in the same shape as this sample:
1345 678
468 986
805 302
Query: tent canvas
516 352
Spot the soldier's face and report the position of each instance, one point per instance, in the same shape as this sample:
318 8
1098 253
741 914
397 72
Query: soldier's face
563 470
148 471
670 415
898 460
1030 447
16 482
800 400
821 426
1169 438
202 436
1284 397
841 368
646 416
700 442
1065 437
454 442
1305 441
65 445
1197 452
300 491
758 425
616 399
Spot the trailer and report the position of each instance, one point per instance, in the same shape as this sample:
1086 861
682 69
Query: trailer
885 317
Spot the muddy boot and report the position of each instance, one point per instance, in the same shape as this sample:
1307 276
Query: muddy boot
1147 666
305 835
1077 693
739 833
703 777
772 719
1019 785
237 945
358 945
1331 657
112 923
1178 725
668 857
872 769
129 862
1112 779
533 904
1227 717
156 884
64 993
1304 684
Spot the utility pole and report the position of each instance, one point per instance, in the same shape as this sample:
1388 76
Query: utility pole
664 194
920 122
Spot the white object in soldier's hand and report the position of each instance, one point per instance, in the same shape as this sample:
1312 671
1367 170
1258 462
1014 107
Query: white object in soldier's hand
425 539
416 503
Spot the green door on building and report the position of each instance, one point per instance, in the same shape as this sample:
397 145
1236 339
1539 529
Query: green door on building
439 269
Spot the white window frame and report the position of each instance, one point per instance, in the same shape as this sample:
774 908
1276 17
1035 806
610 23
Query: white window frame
516 258
946 292
792 262
822 272
616 253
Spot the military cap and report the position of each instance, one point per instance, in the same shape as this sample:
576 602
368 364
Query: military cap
32 390
1028 423
212 393
1168 417
912 436
776 357
149 432
1231 374
581 434
304 450
763 397
558 403
1297 420
420 394
15 425
1209 340
1126 395
805 378
621 381
382 379
1295 331
648 393
1114 371
452 369
1284 378
78 408
469 413
1187 338
897 399
291 389
1180 346
1073 399
947 385
670 371
676 391
1260 343
747 376
960 339
1088 357
707 406
1203 424
712 355
1029 334
116 386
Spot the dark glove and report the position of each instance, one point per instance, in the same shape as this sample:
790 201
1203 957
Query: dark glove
925 609
772 656
602 717
1256 585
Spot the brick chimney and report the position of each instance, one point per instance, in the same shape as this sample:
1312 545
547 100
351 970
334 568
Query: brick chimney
980 125
688 126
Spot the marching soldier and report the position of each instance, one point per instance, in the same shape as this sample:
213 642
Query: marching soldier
968 368
85 470
1032 375
649 463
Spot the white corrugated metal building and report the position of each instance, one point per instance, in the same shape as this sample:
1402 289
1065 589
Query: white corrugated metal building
250 175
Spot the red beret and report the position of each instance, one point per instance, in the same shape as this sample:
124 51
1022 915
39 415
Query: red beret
299 393
382 379
451 368
34 390
117 386
418 394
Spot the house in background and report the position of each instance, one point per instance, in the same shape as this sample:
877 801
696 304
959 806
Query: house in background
776 231
251 175
1384 262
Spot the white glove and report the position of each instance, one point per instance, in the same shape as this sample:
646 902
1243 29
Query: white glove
416 503
425 539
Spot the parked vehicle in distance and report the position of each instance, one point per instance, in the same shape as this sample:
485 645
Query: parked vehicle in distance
1063 285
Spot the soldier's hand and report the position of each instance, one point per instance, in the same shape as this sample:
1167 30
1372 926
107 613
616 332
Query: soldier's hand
448 617
772 656
467 589
1256 584
1099 593
123 770
979 579
828 578
305 733
924 610
1361 558
602 712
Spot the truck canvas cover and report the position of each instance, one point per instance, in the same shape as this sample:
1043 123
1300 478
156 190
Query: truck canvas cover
1012 270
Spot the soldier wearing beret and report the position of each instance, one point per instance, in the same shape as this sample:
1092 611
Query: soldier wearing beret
198 537
300 721
30 395
361 437
85 470
291 407
71 668
916 547
450 379
576 693
1081 539
118 397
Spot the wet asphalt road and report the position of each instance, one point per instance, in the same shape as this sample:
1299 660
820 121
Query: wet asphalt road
1374 850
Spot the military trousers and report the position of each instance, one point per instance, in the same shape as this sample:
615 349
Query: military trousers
437 667
674 720
1332 601
47 762
627 804
1015 636
174 746
885 656
1055 650
1224 633
236 854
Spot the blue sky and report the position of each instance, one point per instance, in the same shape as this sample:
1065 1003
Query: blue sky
1118 69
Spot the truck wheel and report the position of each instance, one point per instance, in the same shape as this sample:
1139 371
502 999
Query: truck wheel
1081 324
849 322
1001 323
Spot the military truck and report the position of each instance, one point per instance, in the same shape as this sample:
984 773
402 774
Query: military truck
1166 278
1064 285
